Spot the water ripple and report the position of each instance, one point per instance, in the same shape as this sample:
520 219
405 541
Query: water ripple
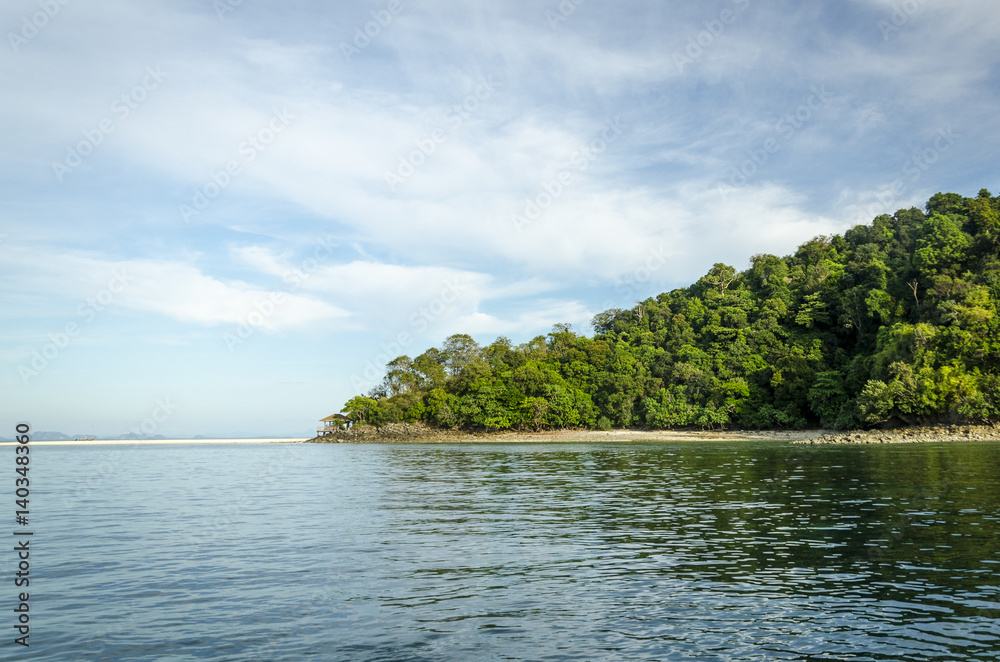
547 552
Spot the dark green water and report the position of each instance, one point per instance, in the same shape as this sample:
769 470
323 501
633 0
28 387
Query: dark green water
702 551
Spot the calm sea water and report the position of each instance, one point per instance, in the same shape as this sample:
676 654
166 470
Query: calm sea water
691 551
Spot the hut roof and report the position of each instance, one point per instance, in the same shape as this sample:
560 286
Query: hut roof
334 417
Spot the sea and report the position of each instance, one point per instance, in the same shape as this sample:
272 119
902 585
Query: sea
479 552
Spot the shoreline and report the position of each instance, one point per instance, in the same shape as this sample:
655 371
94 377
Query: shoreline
419 434
153 442
917 434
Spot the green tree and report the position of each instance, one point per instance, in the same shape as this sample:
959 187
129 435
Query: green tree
363 410
895 319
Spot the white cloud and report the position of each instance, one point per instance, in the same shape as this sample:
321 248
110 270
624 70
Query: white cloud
174 290
185 294
536 321
656 195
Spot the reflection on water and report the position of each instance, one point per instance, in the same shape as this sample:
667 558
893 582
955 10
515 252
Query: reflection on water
540 552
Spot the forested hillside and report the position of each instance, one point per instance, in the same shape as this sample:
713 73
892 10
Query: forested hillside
893 321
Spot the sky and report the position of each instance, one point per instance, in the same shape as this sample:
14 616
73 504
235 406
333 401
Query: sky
222 217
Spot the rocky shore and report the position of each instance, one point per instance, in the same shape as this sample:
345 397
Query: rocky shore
407 433
392 433
402 433
909 435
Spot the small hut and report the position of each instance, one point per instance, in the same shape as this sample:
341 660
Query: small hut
332 423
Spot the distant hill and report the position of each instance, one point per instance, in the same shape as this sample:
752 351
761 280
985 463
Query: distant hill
50 436
131 436
42 435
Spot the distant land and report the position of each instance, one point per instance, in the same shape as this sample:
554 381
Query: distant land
42 435
131 436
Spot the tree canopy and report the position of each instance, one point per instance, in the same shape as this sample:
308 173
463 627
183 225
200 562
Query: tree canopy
893 320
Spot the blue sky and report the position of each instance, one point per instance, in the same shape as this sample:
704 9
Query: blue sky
222 217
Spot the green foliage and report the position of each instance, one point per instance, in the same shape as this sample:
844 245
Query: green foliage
877 401
894 320
440 408
363 410
941 247
828 398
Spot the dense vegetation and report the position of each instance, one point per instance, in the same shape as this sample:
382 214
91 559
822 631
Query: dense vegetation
896 320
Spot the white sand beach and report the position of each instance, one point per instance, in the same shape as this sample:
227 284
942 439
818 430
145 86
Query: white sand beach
153 442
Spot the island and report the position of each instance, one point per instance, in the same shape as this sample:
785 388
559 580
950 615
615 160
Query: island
891 327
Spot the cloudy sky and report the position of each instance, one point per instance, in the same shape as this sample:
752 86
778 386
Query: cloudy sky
222 217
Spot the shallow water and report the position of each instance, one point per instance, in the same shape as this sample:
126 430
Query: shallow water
708 551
